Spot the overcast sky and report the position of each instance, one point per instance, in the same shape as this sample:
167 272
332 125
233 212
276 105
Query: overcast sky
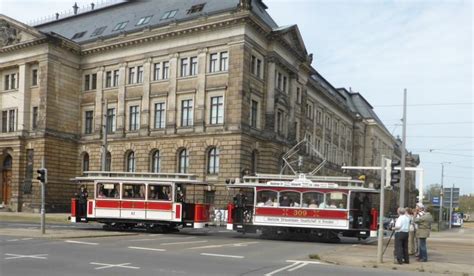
379 48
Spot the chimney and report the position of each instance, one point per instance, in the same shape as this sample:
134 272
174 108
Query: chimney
57 16
75 8
92 6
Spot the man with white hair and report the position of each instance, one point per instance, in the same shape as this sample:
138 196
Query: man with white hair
423 220
402 226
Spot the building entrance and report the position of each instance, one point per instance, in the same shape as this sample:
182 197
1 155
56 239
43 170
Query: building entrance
6 180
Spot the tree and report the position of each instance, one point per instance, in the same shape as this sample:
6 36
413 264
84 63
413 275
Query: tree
466 203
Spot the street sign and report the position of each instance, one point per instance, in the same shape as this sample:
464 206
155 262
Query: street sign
447 197
435 200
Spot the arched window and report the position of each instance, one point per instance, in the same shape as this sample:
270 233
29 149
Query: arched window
254 161
108 162
7 162
85 162
131 162
155 162
213 161
183 162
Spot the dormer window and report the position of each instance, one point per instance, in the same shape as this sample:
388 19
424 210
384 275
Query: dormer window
169 14
144 20
120 26
99 31
78 35
196 8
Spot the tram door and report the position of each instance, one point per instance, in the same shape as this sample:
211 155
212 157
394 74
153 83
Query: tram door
361 206
243 206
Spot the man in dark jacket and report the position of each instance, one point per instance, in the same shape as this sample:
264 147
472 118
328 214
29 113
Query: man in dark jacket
240 202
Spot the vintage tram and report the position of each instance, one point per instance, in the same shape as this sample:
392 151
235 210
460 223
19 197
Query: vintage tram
156 201
318 206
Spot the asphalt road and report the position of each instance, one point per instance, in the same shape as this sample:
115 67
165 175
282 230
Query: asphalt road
213 252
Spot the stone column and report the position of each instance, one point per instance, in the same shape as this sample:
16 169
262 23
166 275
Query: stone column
200 119
23 98
171 123
145 112
121 100
270 99
99 110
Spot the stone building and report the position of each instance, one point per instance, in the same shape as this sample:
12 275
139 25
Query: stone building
214 88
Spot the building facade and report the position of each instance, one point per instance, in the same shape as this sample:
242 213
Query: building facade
216 89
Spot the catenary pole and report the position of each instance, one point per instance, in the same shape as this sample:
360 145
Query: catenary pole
381 214
104 139
441 199
451 207
404 138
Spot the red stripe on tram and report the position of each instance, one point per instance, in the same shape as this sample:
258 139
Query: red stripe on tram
301 213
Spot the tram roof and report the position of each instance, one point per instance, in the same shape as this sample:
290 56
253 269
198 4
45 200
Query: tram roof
134 176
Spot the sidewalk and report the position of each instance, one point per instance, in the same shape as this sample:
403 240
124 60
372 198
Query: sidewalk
449 252
56 231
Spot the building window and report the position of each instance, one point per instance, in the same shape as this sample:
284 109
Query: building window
131 75
194 66
144 20
166 70
196 8
218 62
108 79
285 80
319 117
10 81
34 77
298 95
217 110
134 122
259 68
279 121
309 111
169 14
116 77
90 82
184 67
140 74
155 161
213 161
110 122
254 162
156 71
254 114
120 26
85 162
160 115
34 119
108 162
89 118
4 121
183 163
11 121
253 65
98 31
131 162
186 113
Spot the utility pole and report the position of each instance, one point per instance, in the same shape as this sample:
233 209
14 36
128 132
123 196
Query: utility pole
404 138
451 207
104 140
441 196
381 214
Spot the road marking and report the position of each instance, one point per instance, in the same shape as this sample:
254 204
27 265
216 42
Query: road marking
281 269
224 256
222 245
26 239
13 240
188 242
104 266
294 266
146 248
297 267
17 256
154 235
164 238
81 242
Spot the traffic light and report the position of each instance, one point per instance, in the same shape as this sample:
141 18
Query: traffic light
42 175
394 173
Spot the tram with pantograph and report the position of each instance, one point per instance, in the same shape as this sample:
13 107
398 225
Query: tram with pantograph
155 201
323 207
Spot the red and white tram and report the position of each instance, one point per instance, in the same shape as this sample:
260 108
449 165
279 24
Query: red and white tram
153 200
322 207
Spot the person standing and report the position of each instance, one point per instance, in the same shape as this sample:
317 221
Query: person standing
411 233
83 195
240 202
423 221
402 227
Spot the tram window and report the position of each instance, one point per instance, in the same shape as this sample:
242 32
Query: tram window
267 198
312 199
336 200
108 190
134 191
290 199
159 192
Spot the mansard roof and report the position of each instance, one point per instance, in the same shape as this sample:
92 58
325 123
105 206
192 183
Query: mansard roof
104 22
